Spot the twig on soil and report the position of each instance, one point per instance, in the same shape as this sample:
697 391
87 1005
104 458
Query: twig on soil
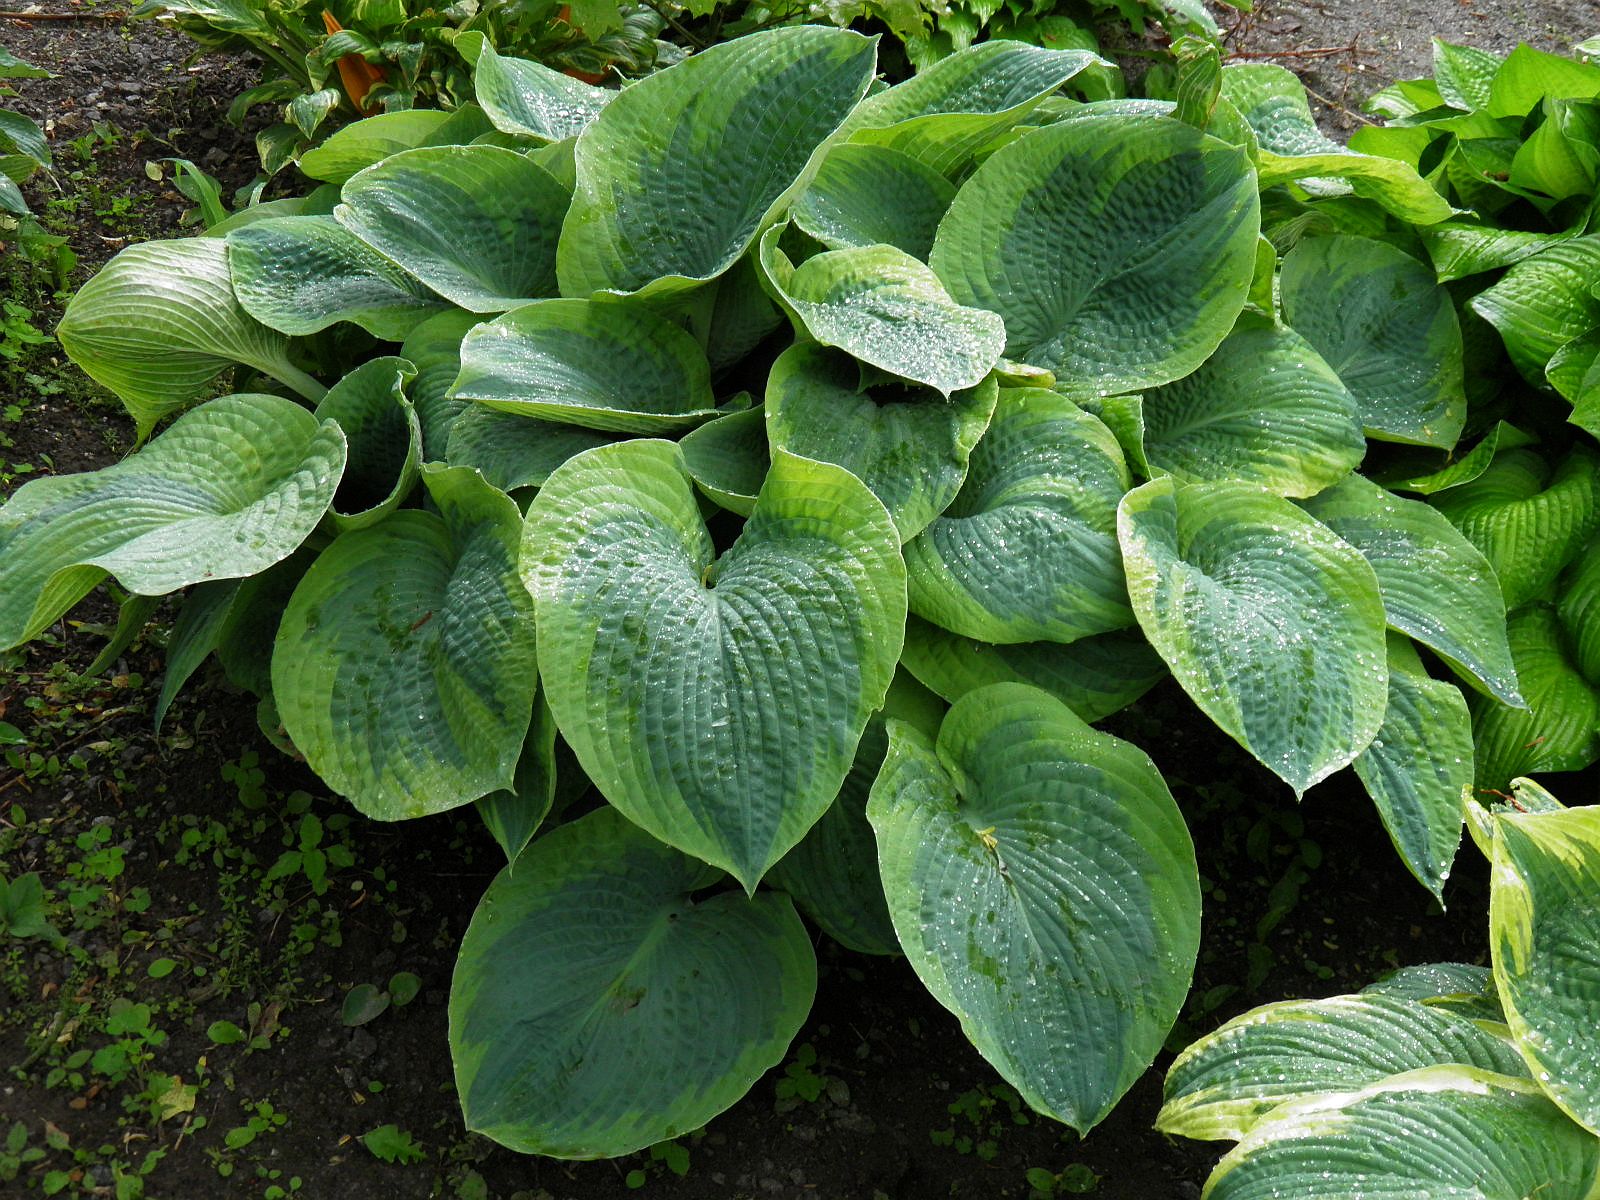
66 16
1308 52
1338 106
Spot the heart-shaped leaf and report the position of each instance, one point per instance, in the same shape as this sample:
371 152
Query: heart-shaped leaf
1271 623
1027 551
301 274
890 311
159 322
1224 1084
1093 676
404 666
1389 331
234 486
679 175
1119 250
1544 925
477 224
1263 409
1043 885
601 364
1436 585
663 663
908 445
599 1006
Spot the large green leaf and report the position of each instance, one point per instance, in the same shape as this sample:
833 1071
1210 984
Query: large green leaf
1543 302
1379 319
910 446
527 98
717 701
404 666
477 224
1272 624
1441 1133
1528 520
601 364
1027 550
234 486
1559 730
1043 885
946 114
1263 409
1418 766
1272 100
385 440
1093 676
1437 587
1119 250
890 311
1225 1083
600 1006
301 274
871 195
1544 922
680 173
159 322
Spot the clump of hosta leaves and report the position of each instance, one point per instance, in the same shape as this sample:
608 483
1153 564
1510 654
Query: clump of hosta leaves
1448 1079
817 462
325 64
23 149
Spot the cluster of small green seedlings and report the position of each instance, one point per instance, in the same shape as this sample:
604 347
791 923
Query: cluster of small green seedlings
99 985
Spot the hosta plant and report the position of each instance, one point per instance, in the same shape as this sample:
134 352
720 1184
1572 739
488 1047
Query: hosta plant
816 463
1442 1080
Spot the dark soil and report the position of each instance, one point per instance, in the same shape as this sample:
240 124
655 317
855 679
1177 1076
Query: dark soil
1300 901
1346 51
